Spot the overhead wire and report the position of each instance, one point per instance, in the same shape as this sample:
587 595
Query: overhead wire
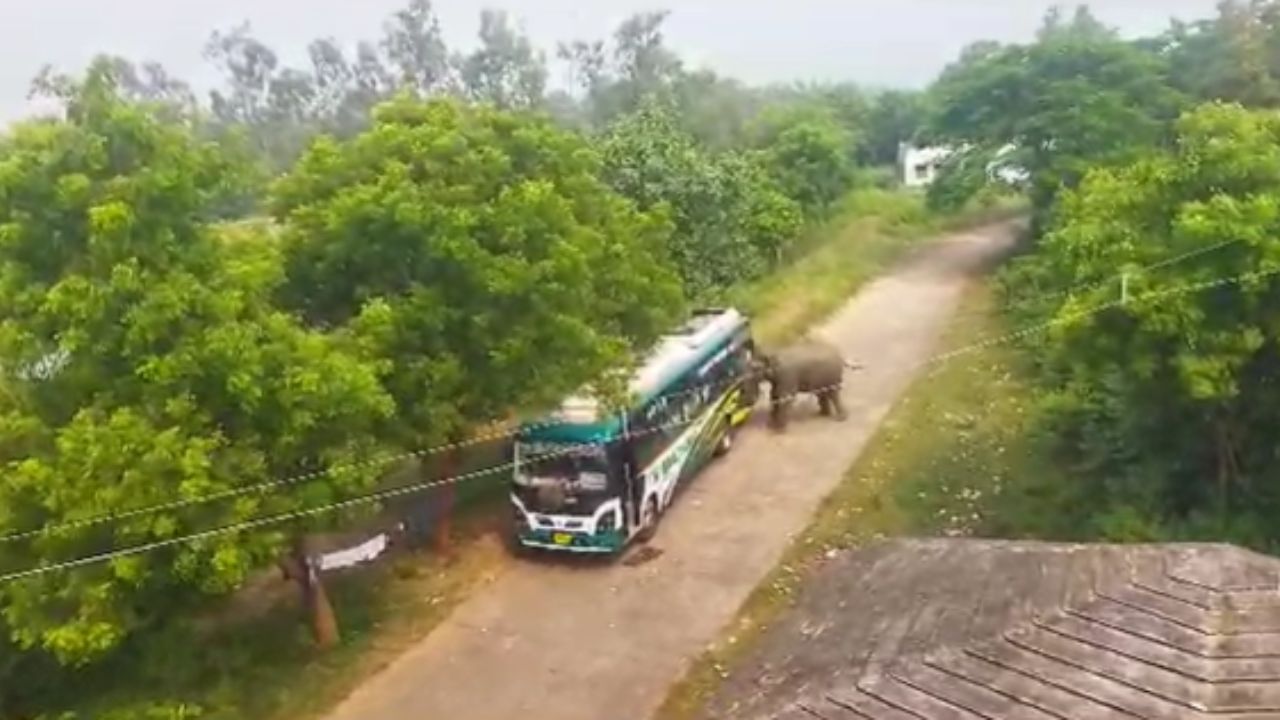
107 556
368 498
389 459
240 491
1090 285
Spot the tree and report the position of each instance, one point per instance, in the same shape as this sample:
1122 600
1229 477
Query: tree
416 50
963 176
1233 57
809 154
729 218
716 110
474 253
1183 380
150 87
505 70
250 67
273 104
1082 26
148 83
144 364
1066 104
895 117
761 213
619 77
646 66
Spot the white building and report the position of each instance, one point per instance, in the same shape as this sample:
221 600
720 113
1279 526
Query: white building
919 166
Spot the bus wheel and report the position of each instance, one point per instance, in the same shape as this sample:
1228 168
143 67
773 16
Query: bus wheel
649 521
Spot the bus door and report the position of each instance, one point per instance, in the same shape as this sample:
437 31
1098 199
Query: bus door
632 488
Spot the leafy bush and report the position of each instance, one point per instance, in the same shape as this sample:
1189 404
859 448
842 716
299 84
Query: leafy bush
731 220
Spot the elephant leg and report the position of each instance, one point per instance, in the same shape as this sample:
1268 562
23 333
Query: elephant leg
778 415
837 404
824 403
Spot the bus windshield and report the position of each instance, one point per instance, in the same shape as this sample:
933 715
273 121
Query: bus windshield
585 466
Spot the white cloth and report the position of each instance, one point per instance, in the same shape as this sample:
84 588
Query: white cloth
364 552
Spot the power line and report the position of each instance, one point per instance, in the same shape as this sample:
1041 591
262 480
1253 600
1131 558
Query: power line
232 528
410 489
1183 257
389 459
262 487
1083 287
1095 309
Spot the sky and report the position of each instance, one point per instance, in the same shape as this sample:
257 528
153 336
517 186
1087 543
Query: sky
878 43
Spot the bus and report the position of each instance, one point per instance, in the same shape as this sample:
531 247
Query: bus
587 480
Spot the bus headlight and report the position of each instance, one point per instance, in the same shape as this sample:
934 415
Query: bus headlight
608 523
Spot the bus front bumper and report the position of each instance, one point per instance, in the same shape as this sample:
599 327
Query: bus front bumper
610 541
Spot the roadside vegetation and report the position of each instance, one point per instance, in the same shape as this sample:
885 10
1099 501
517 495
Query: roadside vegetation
1114 381
229 323
261 660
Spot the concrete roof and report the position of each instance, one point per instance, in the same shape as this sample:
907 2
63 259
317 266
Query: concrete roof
962 629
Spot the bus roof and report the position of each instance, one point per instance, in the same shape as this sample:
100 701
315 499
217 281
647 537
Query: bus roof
580 418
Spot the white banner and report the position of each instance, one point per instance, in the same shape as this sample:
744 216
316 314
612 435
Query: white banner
363 552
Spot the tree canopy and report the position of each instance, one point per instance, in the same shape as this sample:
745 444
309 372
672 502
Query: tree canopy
475 253
1075 99
451 241
730 220
143 363
1180 379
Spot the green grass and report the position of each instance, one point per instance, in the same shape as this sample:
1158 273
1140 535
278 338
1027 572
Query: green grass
957 456
263 666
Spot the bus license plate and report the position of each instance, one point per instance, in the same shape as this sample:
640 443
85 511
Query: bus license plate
562 539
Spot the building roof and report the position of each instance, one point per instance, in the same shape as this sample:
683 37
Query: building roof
924 629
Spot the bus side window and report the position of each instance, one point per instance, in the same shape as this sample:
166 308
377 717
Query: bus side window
651 432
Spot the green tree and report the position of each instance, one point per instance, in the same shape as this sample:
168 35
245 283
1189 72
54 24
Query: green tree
1083 25
415 49
477 255
620 76
1233 57
715 110
1174 389
808 152
1067 104
148 82
894 118
964 174
144 364
505 70
730 220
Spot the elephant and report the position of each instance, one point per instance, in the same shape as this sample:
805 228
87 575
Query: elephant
810 366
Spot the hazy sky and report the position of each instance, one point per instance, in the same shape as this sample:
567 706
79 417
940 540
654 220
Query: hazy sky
874 42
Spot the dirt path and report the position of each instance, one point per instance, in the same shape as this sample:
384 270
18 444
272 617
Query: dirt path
589 641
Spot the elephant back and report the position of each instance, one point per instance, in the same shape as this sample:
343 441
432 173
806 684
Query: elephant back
809 366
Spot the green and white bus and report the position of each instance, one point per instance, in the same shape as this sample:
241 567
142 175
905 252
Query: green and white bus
591 481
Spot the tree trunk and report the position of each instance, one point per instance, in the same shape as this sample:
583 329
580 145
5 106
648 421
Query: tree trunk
323 620
445 498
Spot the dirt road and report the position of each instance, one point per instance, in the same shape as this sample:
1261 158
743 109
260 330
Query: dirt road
593 642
